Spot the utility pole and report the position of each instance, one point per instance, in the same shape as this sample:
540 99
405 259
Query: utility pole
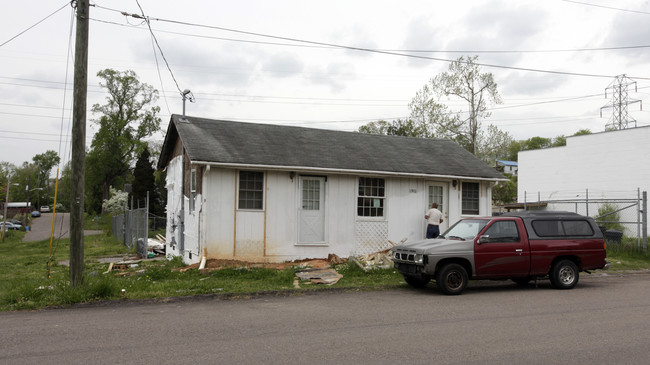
620 100
79 144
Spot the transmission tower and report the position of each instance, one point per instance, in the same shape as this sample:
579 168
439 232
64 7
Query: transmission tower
620 118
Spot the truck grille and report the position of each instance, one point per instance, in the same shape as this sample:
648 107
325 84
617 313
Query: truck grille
404 256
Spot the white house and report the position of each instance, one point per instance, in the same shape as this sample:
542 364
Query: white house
508 167
270 193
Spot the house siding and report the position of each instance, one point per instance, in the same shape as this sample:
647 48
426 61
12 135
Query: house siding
218 229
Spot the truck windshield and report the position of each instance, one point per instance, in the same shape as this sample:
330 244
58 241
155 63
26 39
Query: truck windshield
465 229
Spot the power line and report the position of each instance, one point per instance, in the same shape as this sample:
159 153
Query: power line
606 7
470 51
146 19
37 23
363 49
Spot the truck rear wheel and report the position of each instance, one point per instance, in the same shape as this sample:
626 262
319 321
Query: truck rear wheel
452 279
564 274
417 281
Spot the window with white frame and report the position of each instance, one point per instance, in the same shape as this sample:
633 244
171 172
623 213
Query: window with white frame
251 190
371 198
470 198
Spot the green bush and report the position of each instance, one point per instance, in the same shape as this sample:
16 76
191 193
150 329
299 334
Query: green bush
609 217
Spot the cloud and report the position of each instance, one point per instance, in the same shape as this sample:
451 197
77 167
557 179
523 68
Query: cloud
629 30
335 75
514 83
500 27
282 65
422 34
200 64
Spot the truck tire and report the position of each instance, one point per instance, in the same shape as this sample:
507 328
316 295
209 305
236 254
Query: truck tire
452 279
564 274
417 281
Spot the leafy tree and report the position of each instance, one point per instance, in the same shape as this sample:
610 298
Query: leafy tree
505 192
399 127
493 145
610 217
436 120
65 189
115 204
7 171
143 178
44 163
465 81
20 179
127 118
559 141
539 142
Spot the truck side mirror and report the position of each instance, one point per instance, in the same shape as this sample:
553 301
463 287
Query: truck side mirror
484 239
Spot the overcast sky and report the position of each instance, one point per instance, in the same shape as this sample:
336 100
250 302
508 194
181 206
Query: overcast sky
281 62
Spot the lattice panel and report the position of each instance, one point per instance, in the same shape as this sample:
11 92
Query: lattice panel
371 237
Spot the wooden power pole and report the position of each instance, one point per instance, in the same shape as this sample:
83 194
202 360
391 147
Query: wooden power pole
79 144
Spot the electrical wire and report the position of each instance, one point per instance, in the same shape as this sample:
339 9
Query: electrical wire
377 51
606 7
146 18
617 48
37 23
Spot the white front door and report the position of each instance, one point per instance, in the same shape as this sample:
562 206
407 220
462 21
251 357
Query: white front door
438 192
312 210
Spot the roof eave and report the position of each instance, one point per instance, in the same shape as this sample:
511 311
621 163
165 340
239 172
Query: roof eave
342 171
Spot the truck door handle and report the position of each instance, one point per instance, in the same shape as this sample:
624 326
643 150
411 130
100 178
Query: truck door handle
519 250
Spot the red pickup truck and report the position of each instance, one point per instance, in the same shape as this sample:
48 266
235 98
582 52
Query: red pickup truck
520 246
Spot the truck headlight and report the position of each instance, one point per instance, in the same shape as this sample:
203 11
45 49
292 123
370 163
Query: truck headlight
418 258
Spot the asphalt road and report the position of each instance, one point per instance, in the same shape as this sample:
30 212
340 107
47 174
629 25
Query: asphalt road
42 227
604 320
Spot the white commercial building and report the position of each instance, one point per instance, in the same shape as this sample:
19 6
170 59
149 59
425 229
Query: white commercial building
605 165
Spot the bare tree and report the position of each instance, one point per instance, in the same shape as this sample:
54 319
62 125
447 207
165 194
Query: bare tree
465 82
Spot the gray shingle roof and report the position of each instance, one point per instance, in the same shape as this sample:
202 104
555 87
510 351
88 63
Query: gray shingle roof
227 142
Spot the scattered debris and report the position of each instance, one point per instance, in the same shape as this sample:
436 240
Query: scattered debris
334 259
376 260
319 276
110 267
156 246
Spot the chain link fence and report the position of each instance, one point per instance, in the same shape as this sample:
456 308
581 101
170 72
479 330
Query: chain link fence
132 228
622 219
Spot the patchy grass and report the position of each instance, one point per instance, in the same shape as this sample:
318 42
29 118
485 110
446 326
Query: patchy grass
627 255
25 284
98 222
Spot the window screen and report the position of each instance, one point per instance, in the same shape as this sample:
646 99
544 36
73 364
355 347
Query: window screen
470 196
372 193
251 190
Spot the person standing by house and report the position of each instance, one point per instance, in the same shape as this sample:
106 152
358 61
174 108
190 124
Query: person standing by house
434 218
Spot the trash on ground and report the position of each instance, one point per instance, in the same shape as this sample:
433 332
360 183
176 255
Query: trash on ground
319 276
376 260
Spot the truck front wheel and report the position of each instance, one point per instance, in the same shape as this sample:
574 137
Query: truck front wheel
452 279
564 274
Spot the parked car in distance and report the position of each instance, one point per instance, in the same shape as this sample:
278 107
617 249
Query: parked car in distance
523 247
45 209
9 226
36 214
